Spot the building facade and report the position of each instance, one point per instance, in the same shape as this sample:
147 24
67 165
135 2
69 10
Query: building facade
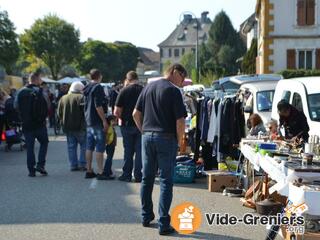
184 38
288 35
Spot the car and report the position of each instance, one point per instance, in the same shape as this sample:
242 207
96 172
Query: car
233 83
303 94
258 98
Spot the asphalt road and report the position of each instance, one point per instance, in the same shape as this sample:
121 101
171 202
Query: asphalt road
66 206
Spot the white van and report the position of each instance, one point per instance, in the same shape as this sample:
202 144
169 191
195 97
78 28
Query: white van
258 98
304 94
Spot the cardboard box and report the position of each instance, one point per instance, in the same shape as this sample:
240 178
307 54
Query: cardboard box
219 180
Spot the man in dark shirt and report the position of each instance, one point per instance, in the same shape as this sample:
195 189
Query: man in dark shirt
294 122
28 101
124 107
159 114
96 123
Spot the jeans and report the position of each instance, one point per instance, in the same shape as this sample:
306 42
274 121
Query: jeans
41 135
132 146
158 151
108 164
73 139
96 138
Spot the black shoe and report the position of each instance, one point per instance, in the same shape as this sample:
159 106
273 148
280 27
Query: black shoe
90 175
74 169
147 223
124 179
32 174
42 171
104 177
167 231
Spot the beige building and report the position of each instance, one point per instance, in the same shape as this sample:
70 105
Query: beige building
183 38
288 35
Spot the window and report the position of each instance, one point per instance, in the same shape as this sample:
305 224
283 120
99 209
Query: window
161 52
314 106
170 53
297 102
305 12
286 96
176 52
193 50
183 51
264 101
305 59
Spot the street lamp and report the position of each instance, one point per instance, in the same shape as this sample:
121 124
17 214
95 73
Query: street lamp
197 26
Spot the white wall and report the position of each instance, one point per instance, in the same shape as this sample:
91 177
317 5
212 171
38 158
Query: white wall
280 47
285 19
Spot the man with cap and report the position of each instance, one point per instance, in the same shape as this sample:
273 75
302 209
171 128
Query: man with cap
71 114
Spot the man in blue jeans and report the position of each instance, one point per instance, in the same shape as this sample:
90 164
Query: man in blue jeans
124 107
96 124
159 114
71 114
33 109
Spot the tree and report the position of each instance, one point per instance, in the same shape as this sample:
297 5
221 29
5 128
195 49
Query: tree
100 55
128 58
224 47
54 41
166 66
9 48
188 61
249 60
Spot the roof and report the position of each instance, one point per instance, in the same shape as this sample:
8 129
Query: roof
149 57
248 24
312 84
261 86
240 79
179 38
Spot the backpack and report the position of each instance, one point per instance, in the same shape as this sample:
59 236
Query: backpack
39 107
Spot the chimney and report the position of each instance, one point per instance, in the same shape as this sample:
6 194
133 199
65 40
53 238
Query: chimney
187 18
204 17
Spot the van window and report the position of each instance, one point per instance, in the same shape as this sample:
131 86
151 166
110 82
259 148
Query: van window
264 101
286 96
314 106
297 102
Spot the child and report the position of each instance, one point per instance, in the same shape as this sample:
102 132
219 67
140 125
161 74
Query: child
111 142
273 129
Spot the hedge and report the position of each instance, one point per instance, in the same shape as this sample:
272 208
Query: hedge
294 73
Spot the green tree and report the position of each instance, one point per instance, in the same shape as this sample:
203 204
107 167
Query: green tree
128 59
188 61
249 60
9 48
54 41
100 55
166 66
224 47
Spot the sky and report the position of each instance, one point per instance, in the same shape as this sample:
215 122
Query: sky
145 23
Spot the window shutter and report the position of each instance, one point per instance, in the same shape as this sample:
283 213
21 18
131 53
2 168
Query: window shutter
291 59
318 59
310 12
301 12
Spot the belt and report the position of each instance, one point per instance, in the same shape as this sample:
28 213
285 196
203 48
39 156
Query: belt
161 134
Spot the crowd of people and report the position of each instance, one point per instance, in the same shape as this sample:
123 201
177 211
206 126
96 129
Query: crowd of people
151 121
152 124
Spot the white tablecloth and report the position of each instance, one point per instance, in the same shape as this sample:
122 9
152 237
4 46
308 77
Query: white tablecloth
284 178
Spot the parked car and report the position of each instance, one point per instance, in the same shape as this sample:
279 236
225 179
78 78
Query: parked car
304 94
233 83
258 98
